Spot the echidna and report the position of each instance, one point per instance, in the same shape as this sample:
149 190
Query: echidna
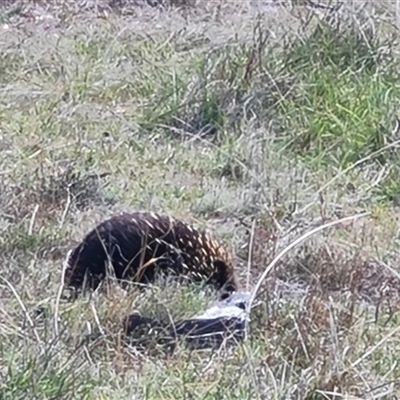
141 244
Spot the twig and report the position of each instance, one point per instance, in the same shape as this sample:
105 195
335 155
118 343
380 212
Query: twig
59 293
253 225
32 222
65 212
97 319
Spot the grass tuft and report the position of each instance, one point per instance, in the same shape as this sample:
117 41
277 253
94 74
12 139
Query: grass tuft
345 95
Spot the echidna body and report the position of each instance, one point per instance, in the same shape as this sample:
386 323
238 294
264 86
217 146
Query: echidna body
138 245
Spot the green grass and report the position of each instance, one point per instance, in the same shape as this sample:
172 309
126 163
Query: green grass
347 94
220 119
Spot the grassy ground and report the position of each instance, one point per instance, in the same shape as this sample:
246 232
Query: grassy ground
231 116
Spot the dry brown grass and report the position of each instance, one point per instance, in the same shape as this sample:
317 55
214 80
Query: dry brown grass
113 106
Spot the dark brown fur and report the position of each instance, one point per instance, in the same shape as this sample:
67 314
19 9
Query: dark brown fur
141 244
